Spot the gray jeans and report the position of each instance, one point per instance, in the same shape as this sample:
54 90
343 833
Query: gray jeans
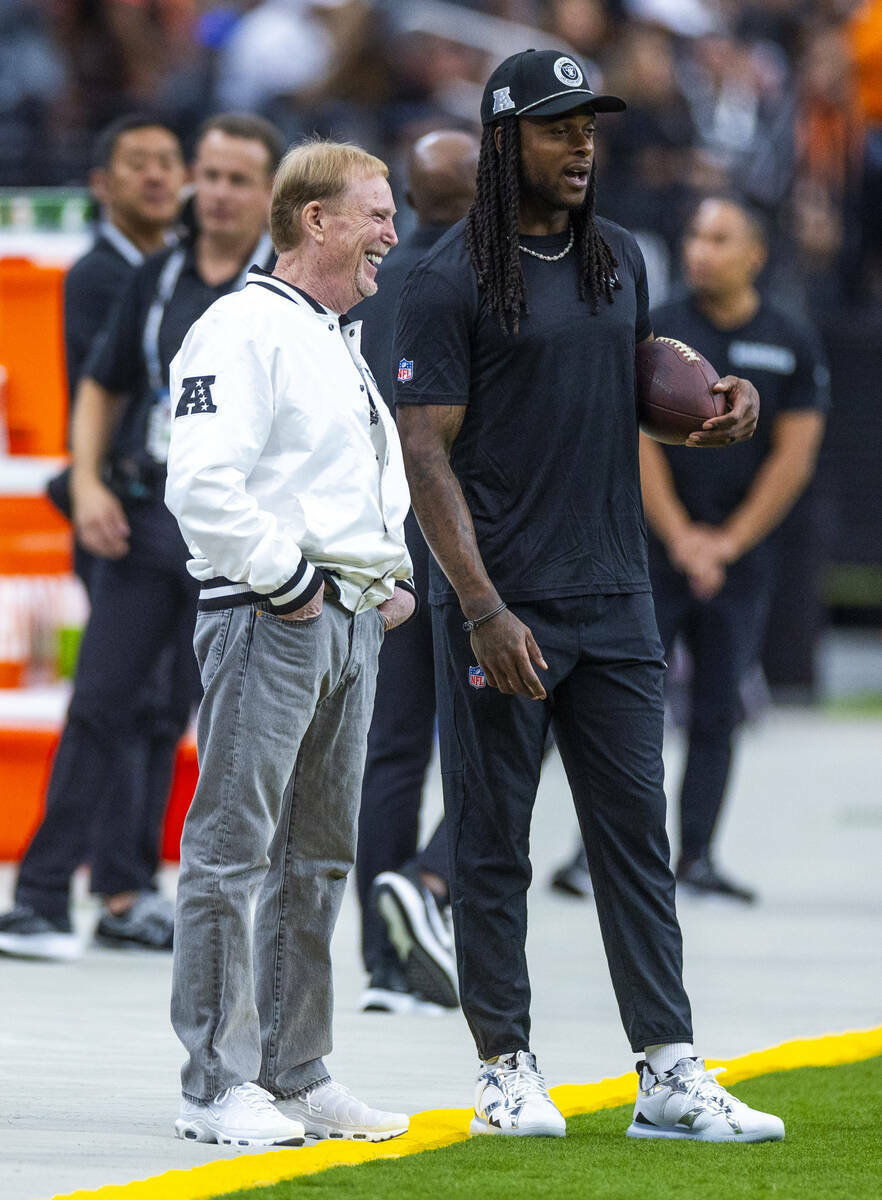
282 733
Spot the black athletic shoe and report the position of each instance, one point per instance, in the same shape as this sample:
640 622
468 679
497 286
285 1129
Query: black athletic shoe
388 992
699 877
416 927
574 878
148 925
25 933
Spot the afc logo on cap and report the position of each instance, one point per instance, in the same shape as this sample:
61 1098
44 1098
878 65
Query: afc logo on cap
502 100
568 72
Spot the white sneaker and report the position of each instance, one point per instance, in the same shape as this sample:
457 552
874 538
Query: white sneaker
25 933
687 1102
385 1000
511 1098
388 992
331 1111
243 1115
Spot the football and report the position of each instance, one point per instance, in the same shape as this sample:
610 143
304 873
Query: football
674 396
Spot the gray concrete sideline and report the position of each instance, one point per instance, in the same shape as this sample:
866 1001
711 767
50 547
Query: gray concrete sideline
90 1064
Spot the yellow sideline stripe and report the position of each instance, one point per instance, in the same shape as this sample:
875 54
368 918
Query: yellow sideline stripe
444 1126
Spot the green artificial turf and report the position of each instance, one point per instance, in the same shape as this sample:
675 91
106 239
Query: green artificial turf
833 1117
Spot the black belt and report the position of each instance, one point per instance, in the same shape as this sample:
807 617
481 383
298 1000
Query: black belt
127 478
135 479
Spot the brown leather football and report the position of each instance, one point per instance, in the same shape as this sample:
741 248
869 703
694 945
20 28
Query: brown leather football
674 396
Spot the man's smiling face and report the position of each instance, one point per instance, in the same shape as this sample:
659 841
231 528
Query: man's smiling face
359 234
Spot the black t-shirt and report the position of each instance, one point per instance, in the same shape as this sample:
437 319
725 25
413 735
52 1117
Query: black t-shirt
378 312
782 357
118 360
91 288
547 452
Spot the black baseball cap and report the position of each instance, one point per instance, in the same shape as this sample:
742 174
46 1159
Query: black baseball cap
540 83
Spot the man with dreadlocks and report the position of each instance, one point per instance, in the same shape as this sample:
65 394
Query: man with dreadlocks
515 346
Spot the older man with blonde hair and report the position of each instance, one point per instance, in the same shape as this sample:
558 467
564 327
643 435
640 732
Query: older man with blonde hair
286 477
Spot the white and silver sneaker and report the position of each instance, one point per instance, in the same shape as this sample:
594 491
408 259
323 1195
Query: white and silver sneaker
511 1098
687 1102
329 1110
243 1115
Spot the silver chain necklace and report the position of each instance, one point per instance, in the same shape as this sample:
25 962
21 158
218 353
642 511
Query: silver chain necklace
551 257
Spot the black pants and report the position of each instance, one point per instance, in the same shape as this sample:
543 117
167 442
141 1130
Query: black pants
109 786
146 758
400 743
724 636
604 686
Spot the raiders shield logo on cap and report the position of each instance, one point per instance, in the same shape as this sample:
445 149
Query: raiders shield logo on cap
568 72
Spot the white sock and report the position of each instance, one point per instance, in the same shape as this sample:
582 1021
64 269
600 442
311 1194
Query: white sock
662 1057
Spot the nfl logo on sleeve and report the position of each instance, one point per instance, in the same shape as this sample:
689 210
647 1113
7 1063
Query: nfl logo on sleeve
477 678
405 370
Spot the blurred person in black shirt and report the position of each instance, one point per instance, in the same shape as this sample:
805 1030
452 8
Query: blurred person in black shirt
712 559
410 962
137 177
143 599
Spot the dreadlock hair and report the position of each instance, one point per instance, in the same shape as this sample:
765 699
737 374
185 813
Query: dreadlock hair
492 232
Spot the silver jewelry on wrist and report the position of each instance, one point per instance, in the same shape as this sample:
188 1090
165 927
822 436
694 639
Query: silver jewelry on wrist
469 626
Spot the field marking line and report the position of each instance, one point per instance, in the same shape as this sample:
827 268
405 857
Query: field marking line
440 1127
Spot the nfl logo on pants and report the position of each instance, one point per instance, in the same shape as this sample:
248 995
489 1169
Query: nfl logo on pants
477 679
405 370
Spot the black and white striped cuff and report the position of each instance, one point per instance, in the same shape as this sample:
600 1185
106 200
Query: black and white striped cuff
407 585
298 590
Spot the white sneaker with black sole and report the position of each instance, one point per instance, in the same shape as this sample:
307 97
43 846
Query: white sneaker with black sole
243 1115
511 1099
25 933
329 1110
687 1102
416 928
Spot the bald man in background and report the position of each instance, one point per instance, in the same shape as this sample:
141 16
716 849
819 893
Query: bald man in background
406 941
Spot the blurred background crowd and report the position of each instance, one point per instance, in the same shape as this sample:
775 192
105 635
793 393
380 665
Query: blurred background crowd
783 96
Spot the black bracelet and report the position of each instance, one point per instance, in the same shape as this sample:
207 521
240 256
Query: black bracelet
468 626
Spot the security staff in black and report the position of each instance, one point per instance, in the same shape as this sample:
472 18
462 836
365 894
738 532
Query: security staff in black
712 561
142 595
413 972
515 403
137 177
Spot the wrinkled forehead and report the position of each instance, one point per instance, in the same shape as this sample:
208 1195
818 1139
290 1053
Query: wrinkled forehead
367 192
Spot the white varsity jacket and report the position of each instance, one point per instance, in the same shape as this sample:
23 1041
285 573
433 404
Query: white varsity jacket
285 468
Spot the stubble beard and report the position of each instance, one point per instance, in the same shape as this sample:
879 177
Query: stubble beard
535 192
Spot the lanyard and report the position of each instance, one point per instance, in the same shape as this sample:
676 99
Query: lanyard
168 281
165 289
121 244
